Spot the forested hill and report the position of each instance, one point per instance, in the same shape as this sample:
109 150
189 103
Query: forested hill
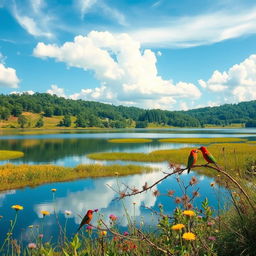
80 113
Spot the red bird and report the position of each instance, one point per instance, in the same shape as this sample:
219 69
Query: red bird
192 159
208 156
87 218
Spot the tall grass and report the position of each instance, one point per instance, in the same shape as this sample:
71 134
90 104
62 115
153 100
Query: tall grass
17 176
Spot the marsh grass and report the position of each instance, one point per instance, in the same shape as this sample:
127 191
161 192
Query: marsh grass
132 140
8 154
17 176
202 140
233 156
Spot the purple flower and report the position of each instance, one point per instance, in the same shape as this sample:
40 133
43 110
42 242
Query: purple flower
212 238
96 210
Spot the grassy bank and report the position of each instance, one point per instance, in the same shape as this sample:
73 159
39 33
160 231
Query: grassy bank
8 154
202 140
130 140
17 176
234 156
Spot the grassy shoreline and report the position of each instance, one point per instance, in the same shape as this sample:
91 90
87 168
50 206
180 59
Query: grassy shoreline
130 140
9 154
18 176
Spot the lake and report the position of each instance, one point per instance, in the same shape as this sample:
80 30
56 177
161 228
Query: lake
70 149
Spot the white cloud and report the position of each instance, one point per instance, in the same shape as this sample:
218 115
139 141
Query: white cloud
238 83
8 77
2 58
127 74
56 90
30 92
198 30
35 21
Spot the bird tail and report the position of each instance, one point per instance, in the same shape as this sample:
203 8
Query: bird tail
189 170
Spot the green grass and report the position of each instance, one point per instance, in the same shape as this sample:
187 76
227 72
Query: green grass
233 156
8 154
17 176
202 140
130 140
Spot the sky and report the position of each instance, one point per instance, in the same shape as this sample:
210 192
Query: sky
167 54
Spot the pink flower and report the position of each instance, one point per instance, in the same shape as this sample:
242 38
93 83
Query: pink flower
212 238
32 246
126 233
210 223
112 217
41 236
89 227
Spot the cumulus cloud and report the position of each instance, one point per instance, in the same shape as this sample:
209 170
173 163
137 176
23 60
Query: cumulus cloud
57 91
238 83
30 92
203 29
127 74
8 77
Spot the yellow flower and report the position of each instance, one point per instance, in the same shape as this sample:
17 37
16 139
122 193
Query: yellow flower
212 184
30 226
189 236
53 189
177 227
17 207
189 213
103 233
45 213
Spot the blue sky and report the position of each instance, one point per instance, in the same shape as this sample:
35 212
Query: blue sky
153 54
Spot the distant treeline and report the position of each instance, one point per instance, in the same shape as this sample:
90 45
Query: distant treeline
95 114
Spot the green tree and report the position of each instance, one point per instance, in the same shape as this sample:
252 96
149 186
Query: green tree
48 112
4 113
22 121
40 122
66 121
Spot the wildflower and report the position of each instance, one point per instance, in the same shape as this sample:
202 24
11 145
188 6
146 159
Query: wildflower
178 200
112 217
134 203
45 213
170 192
53 189
103 233
89 227
40 236
190 206
116 173
32 246
135 190
30 226
196 194
200 217
185 198
189 236
68 212
145 186
96 210
17 207
212 238
177 227
122 194
126 233
156 193
160 206
1 217
212 184
193 181
189 213
210 223
216 231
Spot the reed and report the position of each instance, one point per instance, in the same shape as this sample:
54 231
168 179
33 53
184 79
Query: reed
17 176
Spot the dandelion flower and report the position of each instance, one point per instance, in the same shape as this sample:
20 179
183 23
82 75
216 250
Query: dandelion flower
45 213
17 207
177 227
189 213
189 236
53 189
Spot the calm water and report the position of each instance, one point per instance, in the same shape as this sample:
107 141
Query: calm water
70 149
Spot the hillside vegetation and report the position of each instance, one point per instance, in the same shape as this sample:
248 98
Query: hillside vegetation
50 111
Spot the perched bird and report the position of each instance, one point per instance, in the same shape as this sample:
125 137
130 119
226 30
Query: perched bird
208 156
192 159
87 218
